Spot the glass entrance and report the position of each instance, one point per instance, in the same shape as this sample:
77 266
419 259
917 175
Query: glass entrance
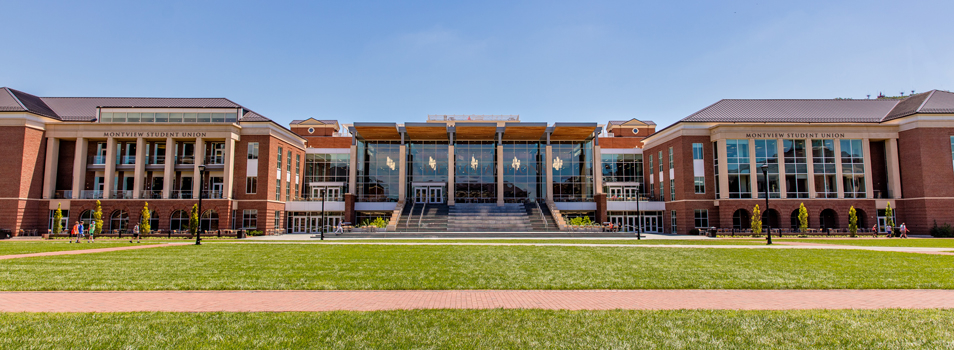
630 193
429 194
650 224
435 195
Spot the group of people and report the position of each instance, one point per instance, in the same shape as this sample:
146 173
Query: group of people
902 230
79 231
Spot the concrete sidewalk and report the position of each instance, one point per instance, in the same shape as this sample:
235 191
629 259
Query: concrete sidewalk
266 301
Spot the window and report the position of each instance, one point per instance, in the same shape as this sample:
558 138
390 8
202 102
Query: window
123 117
279 159
179 220
853 168
64 221
572 171
253 150
119 220
251 185
700 184
297 164
823 162
952 148
662 189
796 169
250 218
702 218
766 152
737 159
697 151
622 167
652 189
672 189
278 219
377 170
672 221
660 163
670 157
650 167
288 164
278 190
330 167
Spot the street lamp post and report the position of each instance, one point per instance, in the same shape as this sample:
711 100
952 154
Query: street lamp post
322 225
639 214
198 232
768 234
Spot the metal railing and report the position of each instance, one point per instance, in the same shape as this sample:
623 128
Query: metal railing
376 198
91 194
185 160
156 160
96 160
421 217
210 194
338 198
474 117
633 199
63 194
151 194
566 198
120 194
126 160
181 194
546 225
214 160
410 215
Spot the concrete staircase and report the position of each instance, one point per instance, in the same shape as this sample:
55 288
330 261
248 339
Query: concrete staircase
424 218
486 217
540 217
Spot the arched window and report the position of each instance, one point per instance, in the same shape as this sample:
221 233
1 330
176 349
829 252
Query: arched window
119 220
862 218
741 219
829 219
153 220
770 218
795 219
179 220
210 221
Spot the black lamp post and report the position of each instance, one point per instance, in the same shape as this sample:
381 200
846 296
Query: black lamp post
324 193
768 234
639 214
198 232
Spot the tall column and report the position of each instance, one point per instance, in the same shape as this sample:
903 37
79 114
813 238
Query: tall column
228 173
500 168
838 174
451 169
783 191
597 167
894 169
79 166
110 168
140 165
809 152
869 183
754 170
199 159
49 171
723 171
402 172
353 165
549 170
168 172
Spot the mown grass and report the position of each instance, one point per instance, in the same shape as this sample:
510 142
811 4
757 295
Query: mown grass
485 329
364 267
883 242
552 241
14 247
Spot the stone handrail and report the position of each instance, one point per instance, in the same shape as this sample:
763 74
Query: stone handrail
557 217
395 216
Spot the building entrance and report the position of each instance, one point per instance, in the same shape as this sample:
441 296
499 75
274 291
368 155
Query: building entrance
428 194
310 222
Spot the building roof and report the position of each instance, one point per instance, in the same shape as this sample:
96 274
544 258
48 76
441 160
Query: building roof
633 121
794 111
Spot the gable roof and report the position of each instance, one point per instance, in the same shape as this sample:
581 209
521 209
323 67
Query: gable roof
794 111
630 122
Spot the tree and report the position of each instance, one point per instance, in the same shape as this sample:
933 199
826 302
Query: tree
756 220
852 221
98 218
889 215
802 218
144 220
58 220
194 220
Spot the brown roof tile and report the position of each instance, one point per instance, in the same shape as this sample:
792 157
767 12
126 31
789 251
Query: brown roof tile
794 111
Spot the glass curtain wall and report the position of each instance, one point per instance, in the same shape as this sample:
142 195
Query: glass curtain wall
796 169
325 168
523 168
426 162
737 161
475 174
823 154
622 167
766 152
572 171
853 168
378 171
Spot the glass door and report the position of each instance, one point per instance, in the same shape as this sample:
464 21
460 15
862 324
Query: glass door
333 194
615 193
630 193
420 195
313 224
435 195
632 223
650 224
618 221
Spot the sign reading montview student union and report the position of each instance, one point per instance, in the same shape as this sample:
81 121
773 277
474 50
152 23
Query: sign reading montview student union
795 135
152 134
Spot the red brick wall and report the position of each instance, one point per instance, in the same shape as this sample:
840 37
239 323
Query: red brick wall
12 159
164 209
328 142
926 164
621 142
785 208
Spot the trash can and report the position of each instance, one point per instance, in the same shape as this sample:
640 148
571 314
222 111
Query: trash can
240 234
712 232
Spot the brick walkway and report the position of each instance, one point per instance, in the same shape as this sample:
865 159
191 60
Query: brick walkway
208 301
87 251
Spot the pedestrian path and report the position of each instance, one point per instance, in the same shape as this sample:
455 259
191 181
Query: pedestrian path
278 301
88 251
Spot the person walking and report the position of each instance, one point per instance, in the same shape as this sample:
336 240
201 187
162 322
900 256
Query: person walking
79 231
874 230
73 233
135 233
339 229
904 231
89 235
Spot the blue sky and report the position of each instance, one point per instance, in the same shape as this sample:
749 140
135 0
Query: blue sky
547 60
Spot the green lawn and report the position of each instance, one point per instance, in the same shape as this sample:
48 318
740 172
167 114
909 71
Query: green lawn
363 267
883 242
485 329
555 241
14 247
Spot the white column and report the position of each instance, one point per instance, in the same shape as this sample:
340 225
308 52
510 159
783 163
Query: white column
754 170
869 183
500 178
809 152
140 165
402 173
168 172
353 172
79 166
199 159
723 170
894 170
549 172
49 171
780 145
451 169
838 174
108 178
228 172
597 169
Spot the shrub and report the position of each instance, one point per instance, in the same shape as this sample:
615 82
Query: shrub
694 232
379 223
581 221
255 233
942 231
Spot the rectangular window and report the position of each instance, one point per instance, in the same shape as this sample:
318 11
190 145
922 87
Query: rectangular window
279 158
737 161
670 157
702 218
700 184
253 150
796 169
278 220
650 167
952 149
250 218
278 190
251 185
297 194
652 190
297 164
853 168
672 189
697 151
672 221
766 152
662 190
823 162
660 165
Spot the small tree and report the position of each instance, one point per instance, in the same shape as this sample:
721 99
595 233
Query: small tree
58 220
756 220
889 215
194 219
852 221
144 220
802 218
98 218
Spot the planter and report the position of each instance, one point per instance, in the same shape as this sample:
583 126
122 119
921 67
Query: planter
45 236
